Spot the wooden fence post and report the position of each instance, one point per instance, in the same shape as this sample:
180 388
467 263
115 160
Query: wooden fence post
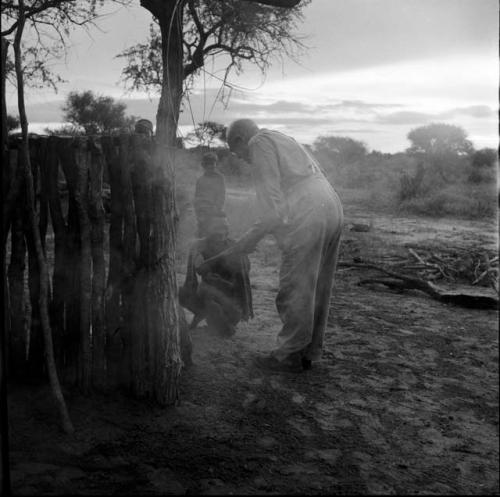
72 261
96 214
82 157
59 275
42 154
17 339
128 253
141 361
113 286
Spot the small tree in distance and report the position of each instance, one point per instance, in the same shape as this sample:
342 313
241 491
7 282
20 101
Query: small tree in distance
340 150
483 168
206 133
440 145
12 122
485 157
96 114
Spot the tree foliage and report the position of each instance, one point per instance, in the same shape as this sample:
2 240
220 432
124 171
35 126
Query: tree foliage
12 122
48 25
341 150
236 29
206 133
485 157
96 113
439 138
441 146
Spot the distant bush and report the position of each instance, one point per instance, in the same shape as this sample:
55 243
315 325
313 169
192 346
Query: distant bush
375 182
65 130
481 175
486 157
410 186
479 202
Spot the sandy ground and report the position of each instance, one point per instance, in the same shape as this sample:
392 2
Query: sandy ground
405 400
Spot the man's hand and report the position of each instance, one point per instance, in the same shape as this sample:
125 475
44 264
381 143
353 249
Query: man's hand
213 278
205 266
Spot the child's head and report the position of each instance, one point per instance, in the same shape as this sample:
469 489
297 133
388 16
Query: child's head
209 161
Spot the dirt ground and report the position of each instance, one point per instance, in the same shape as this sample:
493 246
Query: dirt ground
405 400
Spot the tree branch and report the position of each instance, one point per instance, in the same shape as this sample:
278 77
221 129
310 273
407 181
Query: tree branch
287 4
31 13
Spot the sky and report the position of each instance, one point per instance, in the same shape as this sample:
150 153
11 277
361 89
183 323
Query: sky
374 70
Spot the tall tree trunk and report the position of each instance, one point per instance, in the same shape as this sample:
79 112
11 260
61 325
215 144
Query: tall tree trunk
4 421
170 20
44 277
11 183
156 360
156 283
5 140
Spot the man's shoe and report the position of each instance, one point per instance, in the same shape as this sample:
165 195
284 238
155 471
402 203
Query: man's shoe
289 365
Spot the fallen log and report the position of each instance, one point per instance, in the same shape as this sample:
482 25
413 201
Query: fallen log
462 295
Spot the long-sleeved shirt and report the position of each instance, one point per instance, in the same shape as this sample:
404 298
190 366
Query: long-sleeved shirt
209 194
279 164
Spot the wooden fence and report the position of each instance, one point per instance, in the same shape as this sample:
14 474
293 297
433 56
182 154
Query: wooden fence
96 204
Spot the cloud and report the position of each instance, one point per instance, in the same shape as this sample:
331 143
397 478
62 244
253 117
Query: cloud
477 111
348 131
360 105
405 117
278 107
294 121
413 117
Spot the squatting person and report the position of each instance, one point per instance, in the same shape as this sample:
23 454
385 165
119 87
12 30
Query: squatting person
223 297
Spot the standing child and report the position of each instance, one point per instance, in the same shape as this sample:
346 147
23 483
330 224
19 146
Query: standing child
210 194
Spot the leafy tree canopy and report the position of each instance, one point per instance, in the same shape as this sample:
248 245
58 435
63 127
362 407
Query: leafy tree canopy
438 139
48 25
12 122
236 29
206 133
95 113
485 157
340 150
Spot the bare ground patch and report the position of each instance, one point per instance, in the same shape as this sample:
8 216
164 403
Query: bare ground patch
404 401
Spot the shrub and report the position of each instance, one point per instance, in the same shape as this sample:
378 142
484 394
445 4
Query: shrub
455 201
410 186
481 175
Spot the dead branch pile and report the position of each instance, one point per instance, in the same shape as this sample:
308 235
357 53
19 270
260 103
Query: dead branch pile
463 277
473 267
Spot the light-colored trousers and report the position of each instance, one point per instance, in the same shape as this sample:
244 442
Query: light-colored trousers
310 249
